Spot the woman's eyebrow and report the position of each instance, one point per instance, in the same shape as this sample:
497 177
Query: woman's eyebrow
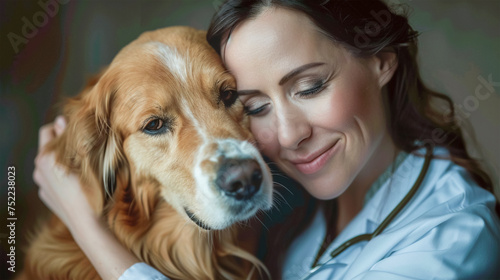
287 77
248 92
299 70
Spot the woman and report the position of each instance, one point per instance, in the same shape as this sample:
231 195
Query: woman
335 100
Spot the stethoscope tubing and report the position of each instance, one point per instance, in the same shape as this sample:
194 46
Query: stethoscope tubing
385 222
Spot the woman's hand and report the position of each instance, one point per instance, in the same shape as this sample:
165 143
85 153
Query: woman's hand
59 190
62 193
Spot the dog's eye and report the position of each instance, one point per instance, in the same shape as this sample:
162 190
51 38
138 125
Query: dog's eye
154 126
228 97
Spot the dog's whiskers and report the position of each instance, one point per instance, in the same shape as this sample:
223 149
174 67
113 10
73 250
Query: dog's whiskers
270 163
277 203
266 213
262 223
277 174
283 186
282 197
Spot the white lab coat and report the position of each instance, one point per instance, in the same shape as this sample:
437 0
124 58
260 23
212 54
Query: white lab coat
447 231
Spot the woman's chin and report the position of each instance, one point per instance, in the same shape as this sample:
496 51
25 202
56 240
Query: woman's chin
325 190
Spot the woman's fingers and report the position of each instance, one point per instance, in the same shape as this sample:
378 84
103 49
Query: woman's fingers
45 134
59 190
43 197
50 131
59 125
38 178
43 165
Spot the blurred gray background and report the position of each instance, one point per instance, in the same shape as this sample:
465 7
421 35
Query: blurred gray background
459 54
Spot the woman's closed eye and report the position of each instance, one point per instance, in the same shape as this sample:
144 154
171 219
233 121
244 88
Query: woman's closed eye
259 108
315 88
255 109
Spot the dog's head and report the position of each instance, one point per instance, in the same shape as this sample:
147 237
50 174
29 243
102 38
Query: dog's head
165 116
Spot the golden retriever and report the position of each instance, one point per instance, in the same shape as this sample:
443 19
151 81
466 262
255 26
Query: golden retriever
163 148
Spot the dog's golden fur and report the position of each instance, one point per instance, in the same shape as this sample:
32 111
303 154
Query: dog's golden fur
104 143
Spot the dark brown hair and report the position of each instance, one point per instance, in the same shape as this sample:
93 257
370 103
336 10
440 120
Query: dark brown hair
364 28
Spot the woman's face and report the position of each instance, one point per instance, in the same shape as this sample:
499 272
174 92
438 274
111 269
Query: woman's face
315 109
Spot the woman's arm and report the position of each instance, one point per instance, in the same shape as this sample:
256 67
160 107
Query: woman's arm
61 192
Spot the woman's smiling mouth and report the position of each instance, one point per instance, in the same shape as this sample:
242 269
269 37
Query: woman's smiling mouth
316 161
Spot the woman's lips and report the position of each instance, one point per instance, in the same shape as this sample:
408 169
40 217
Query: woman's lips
316 163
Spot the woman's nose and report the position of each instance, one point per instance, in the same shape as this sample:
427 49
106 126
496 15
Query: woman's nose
293 128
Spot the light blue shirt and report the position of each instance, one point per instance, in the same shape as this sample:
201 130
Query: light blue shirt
448 230
142 271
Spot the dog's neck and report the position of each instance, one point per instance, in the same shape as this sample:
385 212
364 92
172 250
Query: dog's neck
157 234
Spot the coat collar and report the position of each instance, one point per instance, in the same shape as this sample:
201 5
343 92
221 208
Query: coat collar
388 192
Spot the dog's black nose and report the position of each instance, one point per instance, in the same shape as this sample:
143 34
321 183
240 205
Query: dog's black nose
239 178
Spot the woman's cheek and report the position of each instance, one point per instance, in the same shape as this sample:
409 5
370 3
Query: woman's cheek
265 136
335 112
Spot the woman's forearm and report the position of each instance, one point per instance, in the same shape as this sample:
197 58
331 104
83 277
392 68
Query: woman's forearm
62 194
108 256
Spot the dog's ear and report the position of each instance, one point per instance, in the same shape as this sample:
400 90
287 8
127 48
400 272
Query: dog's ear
90 146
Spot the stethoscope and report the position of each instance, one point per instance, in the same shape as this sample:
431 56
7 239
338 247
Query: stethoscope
385 222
